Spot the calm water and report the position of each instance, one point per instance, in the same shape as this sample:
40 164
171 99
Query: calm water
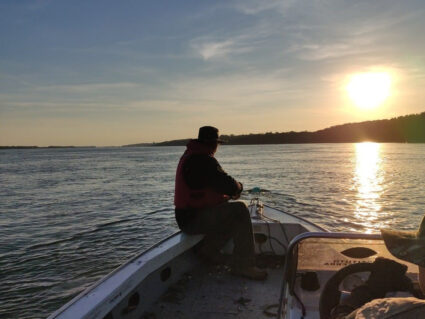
70 216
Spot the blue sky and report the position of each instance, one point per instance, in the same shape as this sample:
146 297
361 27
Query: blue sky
121 72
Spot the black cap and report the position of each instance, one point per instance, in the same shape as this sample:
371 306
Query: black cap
208 134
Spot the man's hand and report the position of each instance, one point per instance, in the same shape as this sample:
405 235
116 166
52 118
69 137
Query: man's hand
237 196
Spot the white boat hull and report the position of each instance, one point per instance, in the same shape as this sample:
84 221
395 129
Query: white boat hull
131 290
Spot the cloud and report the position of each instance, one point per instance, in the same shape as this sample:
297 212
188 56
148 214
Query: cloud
233 93
88 87
38 4
252 7
219 45
331 50
210 49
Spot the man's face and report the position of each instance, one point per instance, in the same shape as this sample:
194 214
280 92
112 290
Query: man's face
215 148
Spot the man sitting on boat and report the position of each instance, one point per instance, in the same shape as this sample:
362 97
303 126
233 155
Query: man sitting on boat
389 276
202 206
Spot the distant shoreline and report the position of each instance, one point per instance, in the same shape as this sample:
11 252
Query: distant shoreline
40 147
253 144
162 145
403 129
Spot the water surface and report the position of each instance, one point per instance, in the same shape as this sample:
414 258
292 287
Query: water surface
70 216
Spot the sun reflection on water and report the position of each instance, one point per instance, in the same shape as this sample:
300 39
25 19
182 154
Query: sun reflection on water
368 181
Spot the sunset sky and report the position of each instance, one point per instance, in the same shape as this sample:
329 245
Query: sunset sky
122 72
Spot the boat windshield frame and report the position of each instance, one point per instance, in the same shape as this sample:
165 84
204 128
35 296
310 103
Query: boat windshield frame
291 260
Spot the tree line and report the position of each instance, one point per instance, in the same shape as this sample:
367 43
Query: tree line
402 129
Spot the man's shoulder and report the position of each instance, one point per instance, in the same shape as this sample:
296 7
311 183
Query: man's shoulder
200 162
205 158
392 308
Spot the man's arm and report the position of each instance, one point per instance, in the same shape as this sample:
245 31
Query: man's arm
204 171
221 182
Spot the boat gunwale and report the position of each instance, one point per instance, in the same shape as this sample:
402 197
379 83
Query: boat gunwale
300 218
109 275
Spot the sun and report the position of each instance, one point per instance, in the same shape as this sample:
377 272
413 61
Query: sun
369 90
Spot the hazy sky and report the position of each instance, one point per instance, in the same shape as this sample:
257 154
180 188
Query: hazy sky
121 72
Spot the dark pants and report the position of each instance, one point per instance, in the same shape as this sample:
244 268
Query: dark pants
219 224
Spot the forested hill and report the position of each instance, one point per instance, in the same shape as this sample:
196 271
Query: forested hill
409 128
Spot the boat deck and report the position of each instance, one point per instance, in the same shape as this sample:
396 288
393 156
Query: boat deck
213 292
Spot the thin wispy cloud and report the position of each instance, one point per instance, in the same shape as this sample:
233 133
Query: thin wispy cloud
332 50
252 7
212 50
88 87
209 49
